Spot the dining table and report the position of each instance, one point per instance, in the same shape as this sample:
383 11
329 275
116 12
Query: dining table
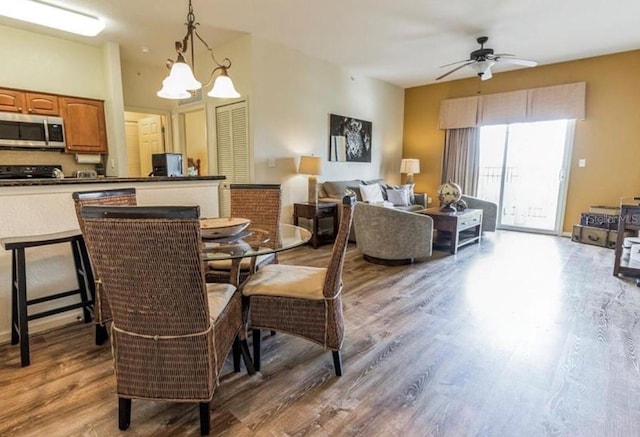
252 241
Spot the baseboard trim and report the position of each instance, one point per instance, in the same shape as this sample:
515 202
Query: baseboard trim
47 324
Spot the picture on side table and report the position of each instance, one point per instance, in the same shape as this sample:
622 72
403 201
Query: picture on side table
349 139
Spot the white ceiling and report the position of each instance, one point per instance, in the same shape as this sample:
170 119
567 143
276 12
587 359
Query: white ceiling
399 41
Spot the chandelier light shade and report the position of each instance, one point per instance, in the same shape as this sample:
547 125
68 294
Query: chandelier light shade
312 166
44 14
410 167
181 79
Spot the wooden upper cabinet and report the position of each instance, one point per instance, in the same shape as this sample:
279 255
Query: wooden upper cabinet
28 103
84 125
43 104
11 101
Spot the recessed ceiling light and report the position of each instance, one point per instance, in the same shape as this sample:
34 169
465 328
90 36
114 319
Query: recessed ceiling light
145 49
55 17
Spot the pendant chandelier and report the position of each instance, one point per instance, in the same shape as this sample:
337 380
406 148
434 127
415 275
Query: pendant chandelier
181 80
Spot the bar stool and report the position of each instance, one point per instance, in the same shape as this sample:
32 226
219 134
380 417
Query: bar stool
19 301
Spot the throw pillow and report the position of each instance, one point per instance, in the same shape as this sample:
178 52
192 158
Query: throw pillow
398 196
371 193
409 187
412 196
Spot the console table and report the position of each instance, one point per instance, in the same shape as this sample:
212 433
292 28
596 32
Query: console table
451 227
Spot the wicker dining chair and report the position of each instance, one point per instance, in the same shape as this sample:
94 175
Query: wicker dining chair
260 203
303 301
171 331
117 197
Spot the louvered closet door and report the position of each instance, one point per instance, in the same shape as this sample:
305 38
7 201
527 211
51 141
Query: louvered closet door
232 139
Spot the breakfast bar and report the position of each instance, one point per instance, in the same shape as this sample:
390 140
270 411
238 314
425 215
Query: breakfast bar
45 206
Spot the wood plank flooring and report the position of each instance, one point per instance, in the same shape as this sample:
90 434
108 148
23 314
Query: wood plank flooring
522 335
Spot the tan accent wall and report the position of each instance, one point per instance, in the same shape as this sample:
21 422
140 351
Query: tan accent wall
609 138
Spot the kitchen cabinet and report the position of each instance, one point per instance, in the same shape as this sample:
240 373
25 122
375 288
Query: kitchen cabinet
28 103
84 125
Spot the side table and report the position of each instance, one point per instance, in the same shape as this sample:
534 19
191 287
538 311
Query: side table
315 212
452 224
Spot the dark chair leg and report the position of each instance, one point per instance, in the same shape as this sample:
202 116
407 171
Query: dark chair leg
101 334
273 333
337 362
256 349
205 418
236 354
124 413
246 356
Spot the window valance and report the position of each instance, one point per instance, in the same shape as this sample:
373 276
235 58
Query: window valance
535 104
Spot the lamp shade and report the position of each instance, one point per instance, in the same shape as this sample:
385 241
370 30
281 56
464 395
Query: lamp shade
171 91
410 166
182 76
223 88
311 165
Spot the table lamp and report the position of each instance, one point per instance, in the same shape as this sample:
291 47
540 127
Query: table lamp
312 166
409 167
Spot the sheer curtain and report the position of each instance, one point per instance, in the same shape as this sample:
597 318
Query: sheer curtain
461 163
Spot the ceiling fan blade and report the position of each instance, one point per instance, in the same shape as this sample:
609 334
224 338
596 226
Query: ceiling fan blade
454 63
454 70
516 61
486 75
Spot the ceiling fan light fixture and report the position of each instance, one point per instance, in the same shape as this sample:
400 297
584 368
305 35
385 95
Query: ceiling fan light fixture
481 67
181 79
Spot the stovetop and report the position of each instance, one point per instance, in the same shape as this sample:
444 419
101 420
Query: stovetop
28 171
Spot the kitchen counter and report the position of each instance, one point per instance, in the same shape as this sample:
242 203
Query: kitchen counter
42 206
103 180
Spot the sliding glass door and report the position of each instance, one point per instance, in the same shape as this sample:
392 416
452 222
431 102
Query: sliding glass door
523 168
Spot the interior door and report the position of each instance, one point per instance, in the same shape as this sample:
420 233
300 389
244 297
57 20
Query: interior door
232 142
150 140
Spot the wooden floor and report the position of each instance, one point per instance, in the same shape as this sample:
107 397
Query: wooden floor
523 335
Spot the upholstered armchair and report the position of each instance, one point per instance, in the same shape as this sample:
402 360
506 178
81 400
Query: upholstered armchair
391 236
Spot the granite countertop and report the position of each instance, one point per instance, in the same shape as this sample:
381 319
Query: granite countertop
104 180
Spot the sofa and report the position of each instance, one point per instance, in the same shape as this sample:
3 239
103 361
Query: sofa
334 191
392 236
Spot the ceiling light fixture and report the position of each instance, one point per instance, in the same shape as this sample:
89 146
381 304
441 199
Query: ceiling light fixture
181 79
44 14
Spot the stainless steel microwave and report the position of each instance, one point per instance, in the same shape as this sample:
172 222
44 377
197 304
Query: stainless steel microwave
31 131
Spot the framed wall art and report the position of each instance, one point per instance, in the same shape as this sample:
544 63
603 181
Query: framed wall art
349 139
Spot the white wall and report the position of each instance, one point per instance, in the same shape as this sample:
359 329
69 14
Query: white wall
292 97
140 83
42 63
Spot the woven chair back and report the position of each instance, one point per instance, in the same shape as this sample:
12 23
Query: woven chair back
119 197
260 203
333 280
151 269
150 264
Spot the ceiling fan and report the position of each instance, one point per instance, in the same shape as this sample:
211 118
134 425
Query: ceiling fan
481 60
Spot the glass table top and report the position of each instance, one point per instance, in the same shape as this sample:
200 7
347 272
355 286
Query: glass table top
254 241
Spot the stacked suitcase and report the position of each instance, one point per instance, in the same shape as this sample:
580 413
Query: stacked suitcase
599 227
